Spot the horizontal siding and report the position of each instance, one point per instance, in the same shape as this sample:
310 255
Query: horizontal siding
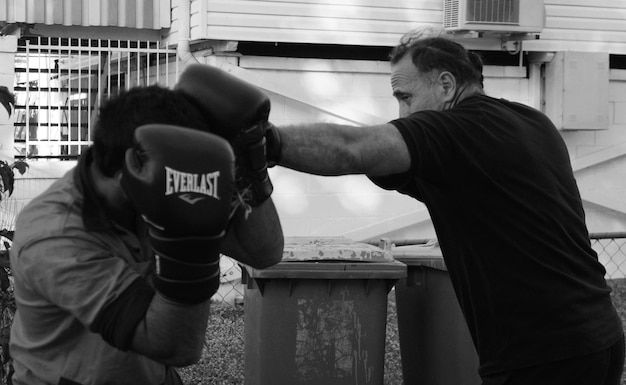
303 36
359 22
313 24
324 11
403 4
585 25
597 13
140 14
576 35
588 3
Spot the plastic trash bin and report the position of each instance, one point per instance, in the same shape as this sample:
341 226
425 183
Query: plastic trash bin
435 343
319 315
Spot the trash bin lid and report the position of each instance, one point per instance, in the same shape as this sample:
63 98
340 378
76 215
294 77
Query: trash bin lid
428 255
332 249
332 258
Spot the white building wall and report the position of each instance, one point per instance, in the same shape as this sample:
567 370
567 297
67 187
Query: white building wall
599 161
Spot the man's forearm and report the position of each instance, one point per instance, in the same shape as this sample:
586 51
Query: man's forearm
154 337
321 148
255 238
335 149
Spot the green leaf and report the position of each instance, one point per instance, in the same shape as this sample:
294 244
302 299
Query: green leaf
7 234
4 259
8 177
4 280
5 171
9 186
20 166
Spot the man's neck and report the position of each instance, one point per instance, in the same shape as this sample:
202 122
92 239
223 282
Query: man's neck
463 93
469 91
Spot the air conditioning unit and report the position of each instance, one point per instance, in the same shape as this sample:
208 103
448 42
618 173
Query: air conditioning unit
496 16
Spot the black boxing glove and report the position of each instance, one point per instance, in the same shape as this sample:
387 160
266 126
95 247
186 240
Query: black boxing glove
273 145
237 111
181 181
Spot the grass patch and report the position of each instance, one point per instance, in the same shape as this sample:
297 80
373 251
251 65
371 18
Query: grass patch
222 357
619 299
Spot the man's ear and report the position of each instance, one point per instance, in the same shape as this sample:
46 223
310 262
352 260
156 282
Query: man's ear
448 82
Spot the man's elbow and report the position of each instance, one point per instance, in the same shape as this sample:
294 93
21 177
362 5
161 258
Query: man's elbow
272 254
187 359
181 356
266 262
176 350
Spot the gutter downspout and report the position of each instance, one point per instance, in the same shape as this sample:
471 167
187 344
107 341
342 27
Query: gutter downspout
183 49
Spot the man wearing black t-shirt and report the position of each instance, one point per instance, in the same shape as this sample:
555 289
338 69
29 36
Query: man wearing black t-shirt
497 180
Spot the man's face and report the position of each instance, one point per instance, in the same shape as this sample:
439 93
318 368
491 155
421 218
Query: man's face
416 91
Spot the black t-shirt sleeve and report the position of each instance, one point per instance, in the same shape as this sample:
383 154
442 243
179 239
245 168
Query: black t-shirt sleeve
116 323
430 145
398 181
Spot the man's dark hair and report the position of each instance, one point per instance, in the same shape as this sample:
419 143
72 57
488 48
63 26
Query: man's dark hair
122 114
440 53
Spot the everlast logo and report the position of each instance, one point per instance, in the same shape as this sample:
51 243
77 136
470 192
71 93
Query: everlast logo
183 182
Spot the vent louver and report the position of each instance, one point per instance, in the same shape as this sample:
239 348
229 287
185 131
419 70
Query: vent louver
494 16
493 11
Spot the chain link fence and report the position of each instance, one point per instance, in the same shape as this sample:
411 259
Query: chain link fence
611 249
